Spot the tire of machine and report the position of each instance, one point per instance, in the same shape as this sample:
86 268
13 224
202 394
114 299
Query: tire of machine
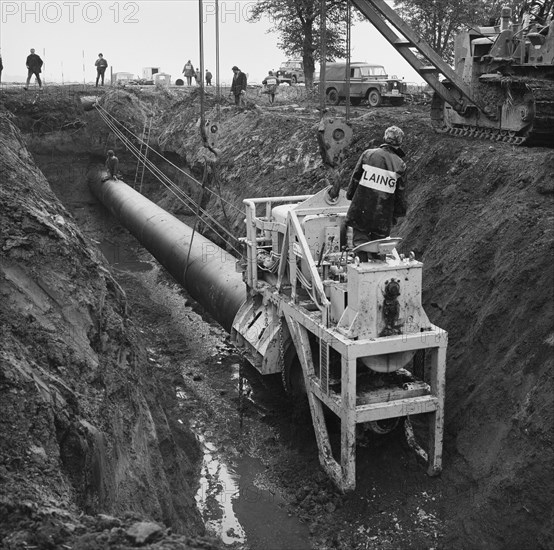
383 427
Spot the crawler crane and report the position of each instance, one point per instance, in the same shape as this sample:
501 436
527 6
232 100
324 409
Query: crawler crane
502 84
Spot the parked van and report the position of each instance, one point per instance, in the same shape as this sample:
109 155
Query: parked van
368 83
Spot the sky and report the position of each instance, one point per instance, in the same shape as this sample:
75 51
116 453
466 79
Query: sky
69 34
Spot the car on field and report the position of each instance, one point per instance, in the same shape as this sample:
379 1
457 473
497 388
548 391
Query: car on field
369 83
291 72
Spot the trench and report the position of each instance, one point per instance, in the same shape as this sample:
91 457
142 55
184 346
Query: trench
238 503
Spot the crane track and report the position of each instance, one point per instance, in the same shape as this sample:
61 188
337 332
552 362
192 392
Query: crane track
540 132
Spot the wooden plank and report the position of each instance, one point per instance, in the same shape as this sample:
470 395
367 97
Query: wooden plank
393 409
384 395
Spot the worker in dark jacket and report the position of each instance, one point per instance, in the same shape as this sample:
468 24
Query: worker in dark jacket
238 87
101 65
112 165
34 65
377 190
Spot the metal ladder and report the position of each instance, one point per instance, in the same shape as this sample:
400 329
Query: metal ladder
143 152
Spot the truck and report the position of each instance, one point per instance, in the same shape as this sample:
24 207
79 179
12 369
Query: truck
369 83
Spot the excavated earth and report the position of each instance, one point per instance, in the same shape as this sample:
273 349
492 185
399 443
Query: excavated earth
111 378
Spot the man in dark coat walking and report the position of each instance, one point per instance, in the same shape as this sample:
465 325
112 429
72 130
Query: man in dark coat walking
238 87
34 65
377 190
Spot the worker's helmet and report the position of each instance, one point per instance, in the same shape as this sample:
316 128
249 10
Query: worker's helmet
271 73
394 136
110 153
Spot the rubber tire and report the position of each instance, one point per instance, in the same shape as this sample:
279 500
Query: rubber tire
293 80
374 98
332 97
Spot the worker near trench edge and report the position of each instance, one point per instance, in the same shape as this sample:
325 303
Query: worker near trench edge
34 67
238 87
101 65
377 191
112 165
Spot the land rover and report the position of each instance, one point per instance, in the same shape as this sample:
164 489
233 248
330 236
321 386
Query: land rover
368 83
291 72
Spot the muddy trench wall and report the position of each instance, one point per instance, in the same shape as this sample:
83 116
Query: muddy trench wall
76 385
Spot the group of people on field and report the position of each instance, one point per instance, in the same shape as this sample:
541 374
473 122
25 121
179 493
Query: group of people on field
34 65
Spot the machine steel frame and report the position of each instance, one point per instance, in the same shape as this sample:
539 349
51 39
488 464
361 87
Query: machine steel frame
312 317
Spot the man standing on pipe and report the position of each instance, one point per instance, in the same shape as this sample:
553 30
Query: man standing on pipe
112 165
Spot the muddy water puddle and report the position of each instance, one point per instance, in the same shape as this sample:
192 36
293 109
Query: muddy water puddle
122 257
238 501
226 406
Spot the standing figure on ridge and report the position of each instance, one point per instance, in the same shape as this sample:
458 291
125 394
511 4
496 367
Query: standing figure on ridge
34 66
101 65
208 78
238 87
188 72
271 82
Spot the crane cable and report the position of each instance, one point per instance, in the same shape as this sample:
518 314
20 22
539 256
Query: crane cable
323 57
217 82
202 129
172 187
348 45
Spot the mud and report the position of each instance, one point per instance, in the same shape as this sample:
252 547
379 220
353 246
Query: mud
480 219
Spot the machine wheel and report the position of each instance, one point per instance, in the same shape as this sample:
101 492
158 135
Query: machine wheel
385 426
374 98
293 79
333 97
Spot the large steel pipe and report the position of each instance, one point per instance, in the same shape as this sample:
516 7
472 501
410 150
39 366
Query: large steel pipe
210 278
